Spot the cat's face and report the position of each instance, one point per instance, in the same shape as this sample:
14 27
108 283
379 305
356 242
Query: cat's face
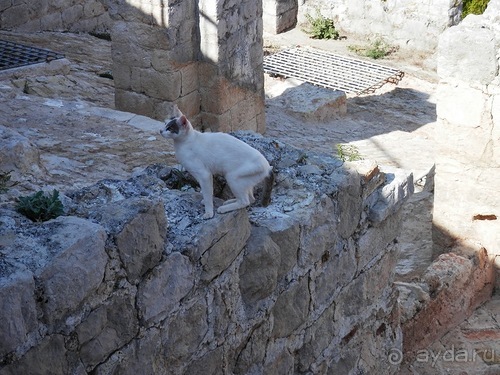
175 127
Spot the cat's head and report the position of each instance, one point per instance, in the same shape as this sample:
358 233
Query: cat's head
176 126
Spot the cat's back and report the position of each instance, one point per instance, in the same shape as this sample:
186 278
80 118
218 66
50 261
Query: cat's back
227 142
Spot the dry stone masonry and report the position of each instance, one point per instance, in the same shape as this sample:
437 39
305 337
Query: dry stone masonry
204 56
132 280
54 15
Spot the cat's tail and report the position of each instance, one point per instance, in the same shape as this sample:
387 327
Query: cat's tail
268 188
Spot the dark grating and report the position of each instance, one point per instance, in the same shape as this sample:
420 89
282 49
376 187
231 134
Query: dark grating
329 70
13 55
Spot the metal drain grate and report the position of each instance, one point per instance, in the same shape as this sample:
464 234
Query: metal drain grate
330 70
13 55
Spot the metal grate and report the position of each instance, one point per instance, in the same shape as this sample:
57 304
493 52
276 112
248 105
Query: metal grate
329 70
13 55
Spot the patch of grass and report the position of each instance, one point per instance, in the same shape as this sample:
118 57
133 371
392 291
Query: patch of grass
376 50
5 181
473 7
321 27
40 206
348 152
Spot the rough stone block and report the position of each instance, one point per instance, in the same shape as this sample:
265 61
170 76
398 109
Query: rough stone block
52 21
457 285
291 308
107 329
77 269
139 226
495 133
189 105
93 8
49 357
376 239
318 337
285 232
222 96
460 104
161 291
349 203
18 154
310 102
140 243
318 233
165 86
72 14
131 101
228 237
253 353
17 310
337 268
185 333
189 79
259 269
398 188
467 53
14 16
135 358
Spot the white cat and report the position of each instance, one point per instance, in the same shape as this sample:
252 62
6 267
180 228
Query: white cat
208 154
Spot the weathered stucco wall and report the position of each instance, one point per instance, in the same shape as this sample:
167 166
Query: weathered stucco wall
134 281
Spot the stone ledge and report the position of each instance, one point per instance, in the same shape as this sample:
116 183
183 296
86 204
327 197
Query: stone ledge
166 281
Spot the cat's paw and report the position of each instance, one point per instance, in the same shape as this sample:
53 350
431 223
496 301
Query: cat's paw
208 215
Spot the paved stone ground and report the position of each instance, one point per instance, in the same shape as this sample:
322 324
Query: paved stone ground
70 118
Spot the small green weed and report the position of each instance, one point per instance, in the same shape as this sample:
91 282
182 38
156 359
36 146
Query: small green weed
5 181
348 152
473 7
40 206
377 50
321 27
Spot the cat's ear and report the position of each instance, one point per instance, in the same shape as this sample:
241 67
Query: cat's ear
183 121
177 111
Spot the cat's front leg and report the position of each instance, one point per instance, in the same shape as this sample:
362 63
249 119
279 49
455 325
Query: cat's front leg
206 184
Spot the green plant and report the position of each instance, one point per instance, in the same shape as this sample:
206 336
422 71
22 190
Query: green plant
348 152
40 206
377 50
473 7
5 182
321 27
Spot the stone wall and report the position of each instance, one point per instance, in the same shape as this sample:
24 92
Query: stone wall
132 280
205 56
469 88
279 15
414 25
54 15
467 203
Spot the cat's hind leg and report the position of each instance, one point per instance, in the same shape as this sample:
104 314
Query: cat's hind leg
250 198
241 188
